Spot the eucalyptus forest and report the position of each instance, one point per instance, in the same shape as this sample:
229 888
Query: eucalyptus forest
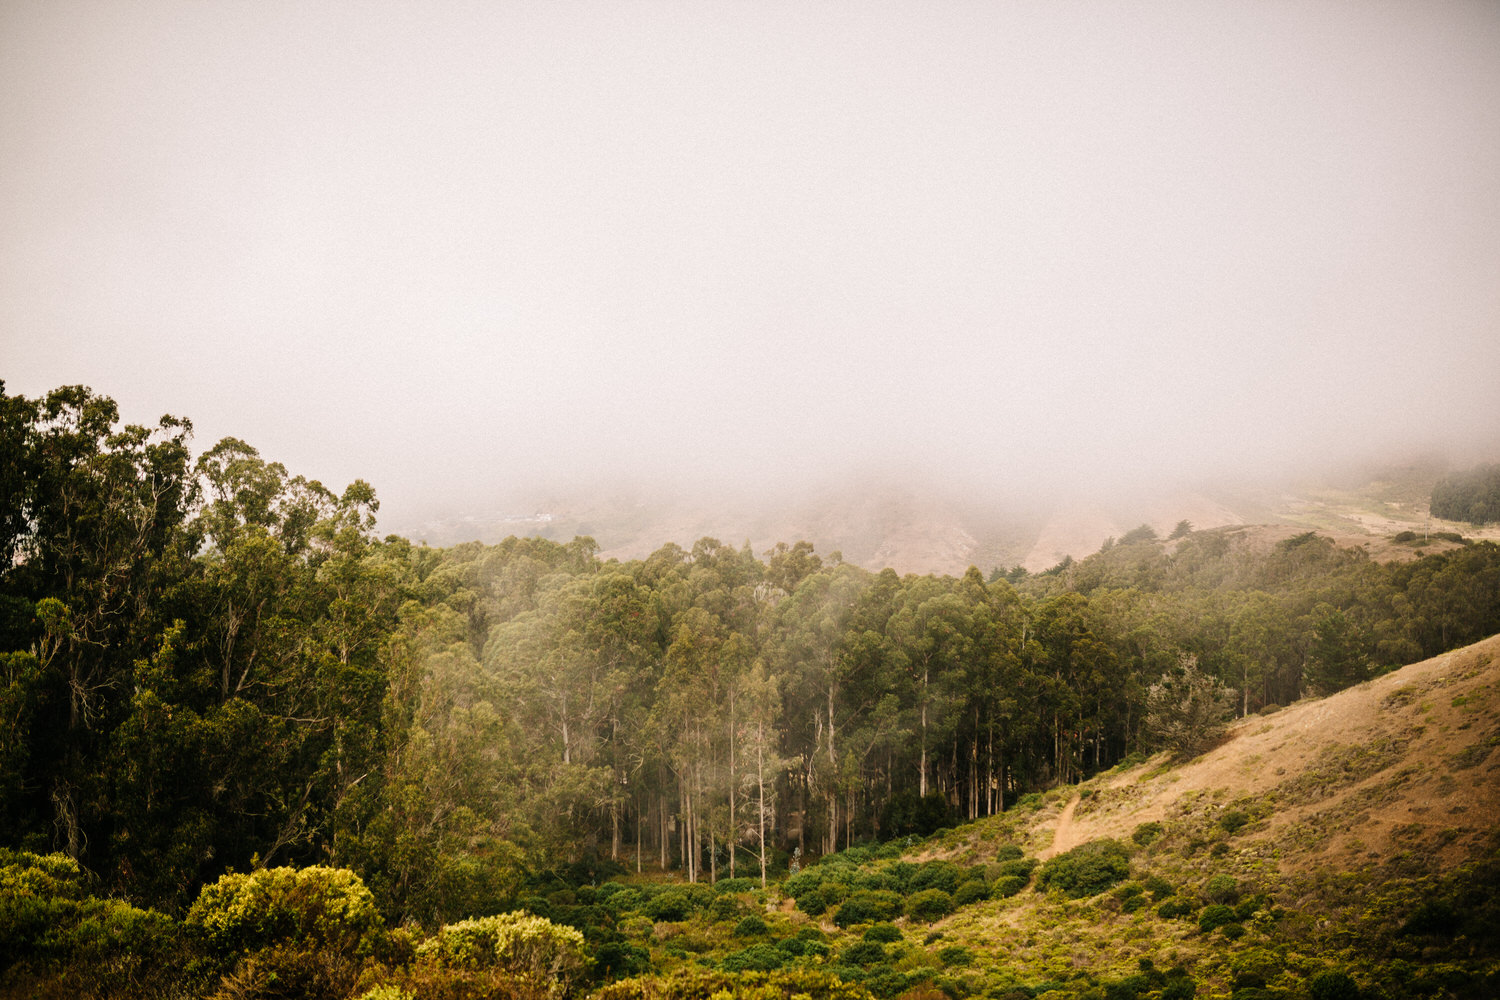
212 666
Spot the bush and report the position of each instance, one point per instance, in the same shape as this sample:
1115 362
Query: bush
1172 909
47 915
863 953
1215 916
954 955
1009 852
328 908
1159 887
867 907
756 958
671 905
1007 885
1221 888
1146 833
737 885
1233 821
1088 869
529 947
929 905
971 892
1019 867
883 932
751 926
936 875
1331 984
618 959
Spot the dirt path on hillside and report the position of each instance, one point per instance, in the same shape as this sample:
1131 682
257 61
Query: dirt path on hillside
1062 837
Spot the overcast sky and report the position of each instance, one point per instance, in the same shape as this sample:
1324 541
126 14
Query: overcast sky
453 248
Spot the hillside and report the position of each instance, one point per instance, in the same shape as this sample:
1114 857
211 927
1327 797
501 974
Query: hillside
1364 823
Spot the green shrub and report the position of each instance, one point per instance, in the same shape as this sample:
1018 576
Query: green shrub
955 955
618 959
527 946
792 946
1215 916
46 915
1233 821
929 905
867 907
1159 887
1255 967
737 885
1146 833
671 905
327 908
1009 852
863 952
1332 984
1088 869
812 904
1007 885
883 932
1173 908
942 875
1233 931
751 926
1221 888
971 892
756 958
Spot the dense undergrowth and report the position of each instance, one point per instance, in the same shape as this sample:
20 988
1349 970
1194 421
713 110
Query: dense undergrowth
1182 908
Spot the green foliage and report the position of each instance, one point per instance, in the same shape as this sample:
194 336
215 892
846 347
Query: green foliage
929 905
1174 908
971 891
529 947
1145 833
1472 495
1186 710
1221 888
1088 869
673 904
863 952
328 908
885 933
48 919
751 926
867 907
757 958
1215 916
1332 984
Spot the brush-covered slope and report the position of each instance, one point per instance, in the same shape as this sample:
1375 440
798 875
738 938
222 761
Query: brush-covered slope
1353 836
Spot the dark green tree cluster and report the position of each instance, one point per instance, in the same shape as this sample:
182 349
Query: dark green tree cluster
1472 496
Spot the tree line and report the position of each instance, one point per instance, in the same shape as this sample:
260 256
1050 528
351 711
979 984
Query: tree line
211 663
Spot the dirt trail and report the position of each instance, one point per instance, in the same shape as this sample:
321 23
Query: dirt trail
1062 837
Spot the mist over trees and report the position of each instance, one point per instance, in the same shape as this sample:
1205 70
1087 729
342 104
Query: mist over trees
212 663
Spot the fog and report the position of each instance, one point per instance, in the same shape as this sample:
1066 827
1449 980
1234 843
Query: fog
466 250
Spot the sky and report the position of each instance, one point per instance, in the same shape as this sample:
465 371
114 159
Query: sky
462 248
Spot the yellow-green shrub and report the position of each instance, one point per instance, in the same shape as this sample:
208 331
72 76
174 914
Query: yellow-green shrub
318 907
527 946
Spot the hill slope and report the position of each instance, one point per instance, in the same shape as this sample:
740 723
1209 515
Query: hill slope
1357 833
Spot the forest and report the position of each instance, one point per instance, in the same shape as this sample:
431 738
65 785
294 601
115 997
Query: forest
211 665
